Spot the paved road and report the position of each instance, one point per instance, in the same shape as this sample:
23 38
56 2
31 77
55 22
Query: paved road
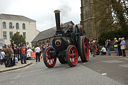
116 67
39 74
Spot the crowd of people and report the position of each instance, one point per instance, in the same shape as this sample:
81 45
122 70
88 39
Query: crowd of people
9 55
118 45
12 53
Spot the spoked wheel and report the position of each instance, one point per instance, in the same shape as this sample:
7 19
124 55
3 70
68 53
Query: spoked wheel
84 49
72 55
49 61
62 60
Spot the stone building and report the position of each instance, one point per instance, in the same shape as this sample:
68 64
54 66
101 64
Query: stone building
88 18
92 17
10 24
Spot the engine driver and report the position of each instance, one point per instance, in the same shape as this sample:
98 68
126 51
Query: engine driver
82 32
69 30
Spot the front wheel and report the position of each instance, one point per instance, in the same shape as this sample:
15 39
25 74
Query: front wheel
49 61
72 55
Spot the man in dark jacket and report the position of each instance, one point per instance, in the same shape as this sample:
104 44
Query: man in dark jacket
119 49
108 46
81 31
12 44
8 55
69 30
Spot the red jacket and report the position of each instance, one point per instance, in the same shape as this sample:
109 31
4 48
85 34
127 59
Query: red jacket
22 50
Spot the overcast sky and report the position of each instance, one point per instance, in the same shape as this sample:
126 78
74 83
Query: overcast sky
43 10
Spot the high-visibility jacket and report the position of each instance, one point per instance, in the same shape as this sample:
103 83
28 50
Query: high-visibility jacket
115 43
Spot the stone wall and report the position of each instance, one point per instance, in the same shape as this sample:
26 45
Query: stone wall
88 19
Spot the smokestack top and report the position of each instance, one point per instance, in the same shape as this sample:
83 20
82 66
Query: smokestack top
57 11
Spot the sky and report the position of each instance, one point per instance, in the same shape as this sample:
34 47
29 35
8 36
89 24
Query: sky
43 11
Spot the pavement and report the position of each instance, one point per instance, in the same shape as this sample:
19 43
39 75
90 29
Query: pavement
29 62
113 53
17 66
114 67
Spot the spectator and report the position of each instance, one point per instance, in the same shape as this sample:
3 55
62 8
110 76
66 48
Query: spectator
38 52
103 50
49 45
116 46
93 48
108 46
90 44
23 55
8 55
123 46
29 50
119 49
43 48
12 44
12 56
33 48
97 49
2 57
16 52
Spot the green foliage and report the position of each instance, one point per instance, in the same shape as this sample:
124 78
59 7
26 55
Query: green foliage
103 16
111 35
18 39
118 9
43 42
110 15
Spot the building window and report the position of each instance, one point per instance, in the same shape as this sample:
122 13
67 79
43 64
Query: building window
4 24
17 25
24 35
11 34
10 25
4 34
23 25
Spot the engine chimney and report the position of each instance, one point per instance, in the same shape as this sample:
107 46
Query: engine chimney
57 17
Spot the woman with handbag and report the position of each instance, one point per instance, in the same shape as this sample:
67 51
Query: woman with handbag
123 46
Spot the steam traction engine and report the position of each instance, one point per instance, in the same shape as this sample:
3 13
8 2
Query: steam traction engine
66 48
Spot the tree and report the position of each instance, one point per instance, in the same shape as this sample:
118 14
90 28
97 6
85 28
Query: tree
111 18
110 15
17 38
103 16
120 12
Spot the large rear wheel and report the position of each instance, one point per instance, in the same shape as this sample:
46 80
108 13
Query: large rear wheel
49 61
84 49
72 55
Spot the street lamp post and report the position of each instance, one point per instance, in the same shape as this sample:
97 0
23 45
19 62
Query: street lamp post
18 38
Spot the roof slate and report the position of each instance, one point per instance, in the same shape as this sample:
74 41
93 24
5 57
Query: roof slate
45 34
49 33
15 17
